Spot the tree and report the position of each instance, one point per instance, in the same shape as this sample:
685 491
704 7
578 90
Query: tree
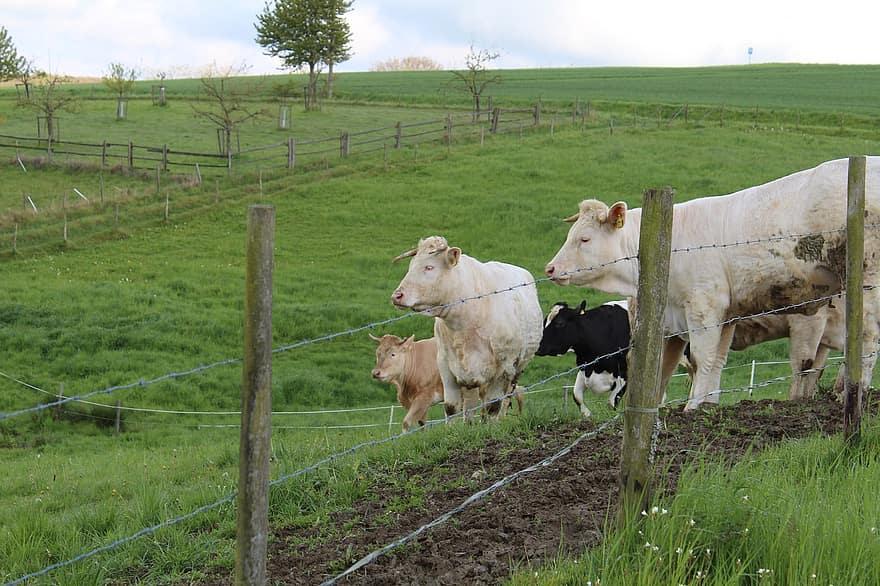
48 99
339 39
228 98
26 75
120 80
305 33
411 63
10 61
476 77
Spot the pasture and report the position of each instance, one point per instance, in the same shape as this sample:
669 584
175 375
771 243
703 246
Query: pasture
165 298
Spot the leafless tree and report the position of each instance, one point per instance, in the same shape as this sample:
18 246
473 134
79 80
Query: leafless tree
476 76
48 99
228 97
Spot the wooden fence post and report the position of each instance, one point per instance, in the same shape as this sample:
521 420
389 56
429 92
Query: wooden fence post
643 388
64 206
130 155
118 422
252 500
496 115
167 205
344 144
291 152
398 133
855 258
103 154
165 157
15 240
685 114
537 114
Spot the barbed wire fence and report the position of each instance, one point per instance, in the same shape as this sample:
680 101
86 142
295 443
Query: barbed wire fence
371 325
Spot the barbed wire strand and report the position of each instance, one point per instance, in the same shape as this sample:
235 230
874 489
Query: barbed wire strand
477 496
429 311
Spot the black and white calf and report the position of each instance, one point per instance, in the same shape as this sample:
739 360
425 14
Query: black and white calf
591 333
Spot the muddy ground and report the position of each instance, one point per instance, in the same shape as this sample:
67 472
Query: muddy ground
562 507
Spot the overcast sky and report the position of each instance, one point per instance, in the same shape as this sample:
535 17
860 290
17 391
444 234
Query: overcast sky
81 37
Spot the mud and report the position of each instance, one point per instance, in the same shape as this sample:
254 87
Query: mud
560 508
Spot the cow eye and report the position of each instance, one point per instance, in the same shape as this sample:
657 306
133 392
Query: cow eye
393 355
585 239
429 267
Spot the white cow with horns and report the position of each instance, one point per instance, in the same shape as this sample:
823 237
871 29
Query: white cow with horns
483 342
800 220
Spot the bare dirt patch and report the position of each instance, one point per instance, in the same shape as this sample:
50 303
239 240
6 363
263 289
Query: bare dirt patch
560 508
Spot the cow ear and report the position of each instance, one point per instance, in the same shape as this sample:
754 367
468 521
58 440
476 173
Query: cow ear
408 342
453 254
616 215
582 308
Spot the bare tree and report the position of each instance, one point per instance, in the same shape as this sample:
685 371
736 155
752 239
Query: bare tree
25 76
228 99
48 100
476 77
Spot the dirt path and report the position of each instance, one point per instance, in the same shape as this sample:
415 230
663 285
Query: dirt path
561 508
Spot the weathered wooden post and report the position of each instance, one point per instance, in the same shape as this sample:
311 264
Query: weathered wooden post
158 179
101 186
118 422
398 133
167 206
344 144
855 258
103 154
130 155
252 501
644 393
165 157
537 114
15 240
496 115
291 152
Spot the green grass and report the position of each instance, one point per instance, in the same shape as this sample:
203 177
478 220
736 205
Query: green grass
826 88
169 297
805 512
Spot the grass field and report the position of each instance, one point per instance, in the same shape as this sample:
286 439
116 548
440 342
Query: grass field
159 298
828 88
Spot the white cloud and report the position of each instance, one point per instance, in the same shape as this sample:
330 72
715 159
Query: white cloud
82 36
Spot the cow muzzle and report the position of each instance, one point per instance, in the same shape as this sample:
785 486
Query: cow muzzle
557 276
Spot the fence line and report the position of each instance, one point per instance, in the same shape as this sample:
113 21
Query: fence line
372 325
326 460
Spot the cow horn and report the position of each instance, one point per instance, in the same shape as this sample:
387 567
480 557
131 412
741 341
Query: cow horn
374 338
572 219
404 255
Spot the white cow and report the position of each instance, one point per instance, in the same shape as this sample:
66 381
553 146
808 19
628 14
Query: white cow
712 285
483 344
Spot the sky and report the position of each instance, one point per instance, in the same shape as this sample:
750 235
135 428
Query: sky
183 37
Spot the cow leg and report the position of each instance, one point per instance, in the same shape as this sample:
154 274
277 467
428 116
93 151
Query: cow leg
810 380
805 333
619 383
709 349
870 335
453 400
417 411
673 349
580 384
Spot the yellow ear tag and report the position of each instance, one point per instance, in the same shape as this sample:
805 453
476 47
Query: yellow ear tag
618 223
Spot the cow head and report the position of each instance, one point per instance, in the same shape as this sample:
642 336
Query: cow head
594 238
560 329
428 282
391 355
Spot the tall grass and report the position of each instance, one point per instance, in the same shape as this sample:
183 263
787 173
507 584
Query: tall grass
805 512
